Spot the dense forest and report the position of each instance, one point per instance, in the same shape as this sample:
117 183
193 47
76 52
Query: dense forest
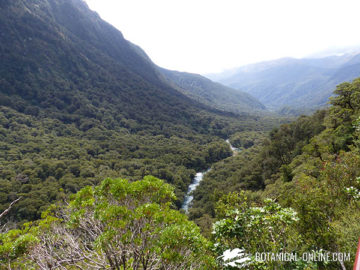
296 191
43 159
310 166
98 151
76 108
213 94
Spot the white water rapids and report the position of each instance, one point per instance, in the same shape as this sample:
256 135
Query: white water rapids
196 181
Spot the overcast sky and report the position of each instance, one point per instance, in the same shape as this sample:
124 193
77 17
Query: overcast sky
206 36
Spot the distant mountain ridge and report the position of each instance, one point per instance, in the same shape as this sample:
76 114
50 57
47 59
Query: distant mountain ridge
298 83
79 103
205 91
60 59
211 93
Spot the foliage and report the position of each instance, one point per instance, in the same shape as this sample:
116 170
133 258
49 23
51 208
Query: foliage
76 108
116 225
253 228
247 139
212 94
13 245
311 166
257 166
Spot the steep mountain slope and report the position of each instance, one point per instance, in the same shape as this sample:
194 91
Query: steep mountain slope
205 91
297 83
311 165
60 58
79 103
210 93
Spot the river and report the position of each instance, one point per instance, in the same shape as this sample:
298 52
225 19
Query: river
196 181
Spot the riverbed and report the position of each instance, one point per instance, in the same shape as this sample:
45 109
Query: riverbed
196 181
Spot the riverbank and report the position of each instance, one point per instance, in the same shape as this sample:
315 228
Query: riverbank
198 178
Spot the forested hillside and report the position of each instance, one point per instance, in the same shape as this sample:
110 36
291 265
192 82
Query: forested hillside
205 91
296 192
61 59
310 165
80 103
97 150
212 94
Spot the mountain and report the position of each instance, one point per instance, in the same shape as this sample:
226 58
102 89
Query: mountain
296 83
79 103
65 47
60 58
205 91
211 93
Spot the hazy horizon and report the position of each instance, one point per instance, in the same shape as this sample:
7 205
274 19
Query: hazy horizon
213 36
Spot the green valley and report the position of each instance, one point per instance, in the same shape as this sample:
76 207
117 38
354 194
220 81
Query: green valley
99 146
